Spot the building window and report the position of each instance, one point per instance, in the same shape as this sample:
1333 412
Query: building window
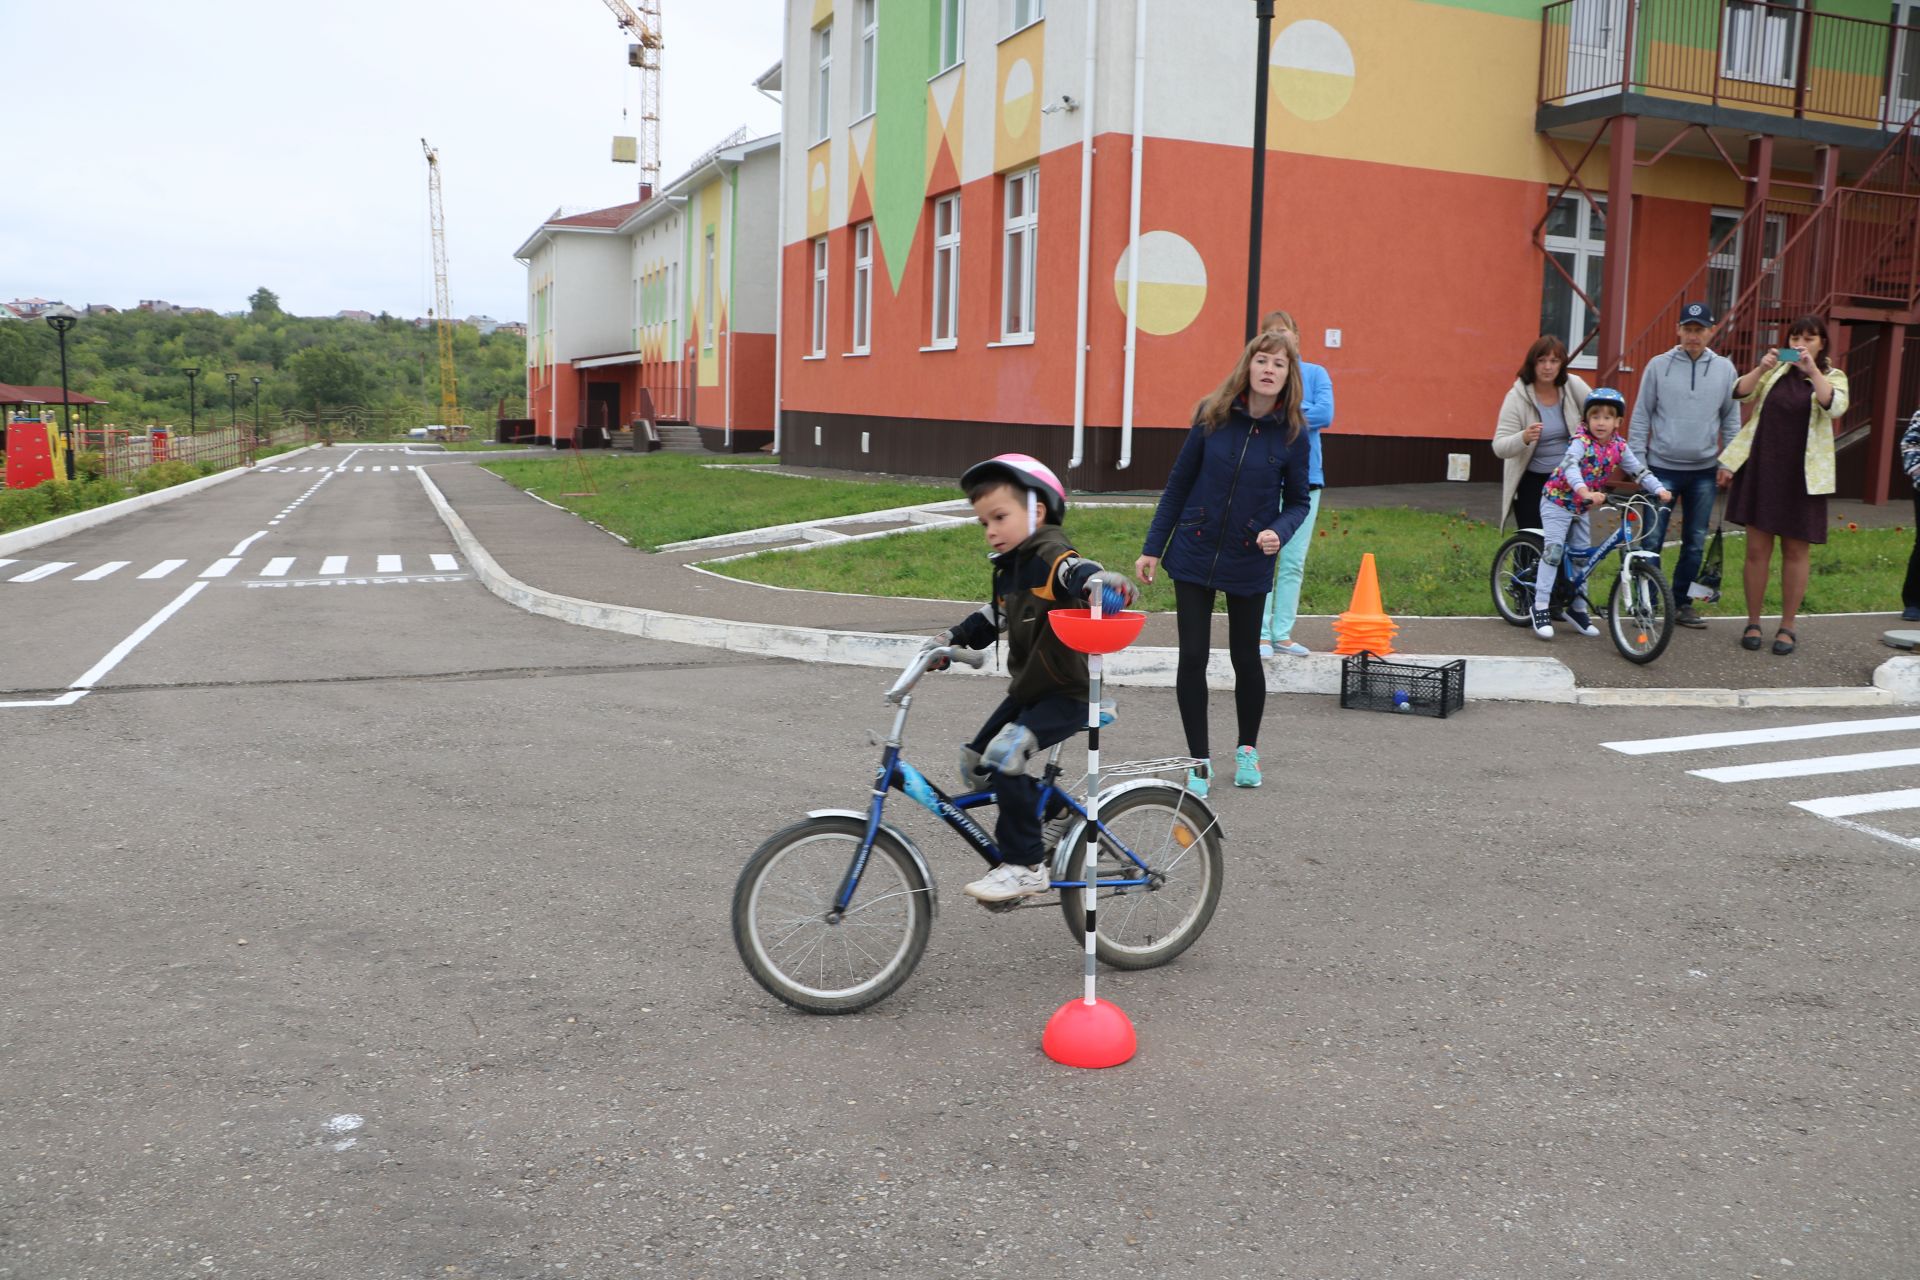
709 300
1022 230
1577 241
822 81
1725 241
1760 42
820 297
952 21
946 271
869 39
862 287
1026 13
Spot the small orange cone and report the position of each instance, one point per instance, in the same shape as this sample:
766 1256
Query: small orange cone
1365 624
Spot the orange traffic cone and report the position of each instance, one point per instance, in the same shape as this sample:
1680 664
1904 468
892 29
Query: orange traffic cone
1365 625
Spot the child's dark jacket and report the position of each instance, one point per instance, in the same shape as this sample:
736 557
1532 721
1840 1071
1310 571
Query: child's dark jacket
1040 575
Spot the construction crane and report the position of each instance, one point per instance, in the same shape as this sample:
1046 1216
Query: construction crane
442 308
644 53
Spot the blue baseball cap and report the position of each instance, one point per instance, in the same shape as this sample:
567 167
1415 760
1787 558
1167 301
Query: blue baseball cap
1697 313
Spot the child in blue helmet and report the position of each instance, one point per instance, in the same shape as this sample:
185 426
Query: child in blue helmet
1021 505
1576 486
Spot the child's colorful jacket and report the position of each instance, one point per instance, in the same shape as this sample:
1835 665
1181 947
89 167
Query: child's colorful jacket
1587 465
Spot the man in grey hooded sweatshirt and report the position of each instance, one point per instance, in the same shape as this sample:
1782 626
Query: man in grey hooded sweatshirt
1684 416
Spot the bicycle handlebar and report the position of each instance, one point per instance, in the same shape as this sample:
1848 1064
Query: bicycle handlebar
923 662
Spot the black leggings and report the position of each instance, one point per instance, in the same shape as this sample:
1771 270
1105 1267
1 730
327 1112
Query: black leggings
1194 605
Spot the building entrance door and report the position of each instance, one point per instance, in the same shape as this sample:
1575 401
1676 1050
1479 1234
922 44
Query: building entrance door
1596 45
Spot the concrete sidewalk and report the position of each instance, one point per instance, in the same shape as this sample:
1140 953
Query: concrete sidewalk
553 552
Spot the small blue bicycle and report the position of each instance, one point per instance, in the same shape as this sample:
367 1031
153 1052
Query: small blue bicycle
832 913
1640 606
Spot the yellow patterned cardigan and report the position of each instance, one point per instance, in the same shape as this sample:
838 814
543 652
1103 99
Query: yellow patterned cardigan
1819 461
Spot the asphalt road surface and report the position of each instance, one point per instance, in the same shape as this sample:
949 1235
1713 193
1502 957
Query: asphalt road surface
356 924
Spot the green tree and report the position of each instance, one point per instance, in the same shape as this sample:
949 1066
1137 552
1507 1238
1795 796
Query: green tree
329 376
23 349
265 304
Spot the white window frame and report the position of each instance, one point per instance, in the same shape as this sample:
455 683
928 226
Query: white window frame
1588 249
866 60
822 81
1022 14
1020 231
819 346
950 33
1759 45
1728 261
712 298
863 289
945 292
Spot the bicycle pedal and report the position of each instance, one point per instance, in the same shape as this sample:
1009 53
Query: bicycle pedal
1001 908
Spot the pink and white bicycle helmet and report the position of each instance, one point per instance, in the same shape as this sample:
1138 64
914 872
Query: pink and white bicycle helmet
1023 472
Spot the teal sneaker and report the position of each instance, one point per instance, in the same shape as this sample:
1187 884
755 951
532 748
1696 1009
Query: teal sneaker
1197 780
1246 767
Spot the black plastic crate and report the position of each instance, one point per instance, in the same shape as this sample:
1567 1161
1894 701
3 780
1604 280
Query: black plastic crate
1374 684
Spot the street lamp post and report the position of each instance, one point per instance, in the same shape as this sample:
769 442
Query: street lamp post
62 318
256 418
233 402
1262 10
193 417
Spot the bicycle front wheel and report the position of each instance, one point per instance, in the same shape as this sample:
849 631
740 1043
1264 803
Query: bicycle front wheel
789 938
1512 578
1179 840
1640 613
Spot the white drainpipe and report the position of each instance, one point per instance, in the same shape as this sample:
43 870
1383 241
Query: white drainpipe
1133 228
1086 237
780 267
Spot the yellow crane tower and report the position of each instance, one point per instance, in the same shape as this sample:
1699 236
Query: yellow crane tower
442 308
644 53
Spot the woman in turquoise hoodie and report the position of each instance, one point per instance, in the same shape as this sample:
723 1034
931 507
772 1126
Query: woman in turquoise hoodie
1283 605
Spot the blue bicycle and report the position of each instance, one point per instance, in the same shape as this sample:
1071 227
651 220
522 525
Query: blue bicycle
832 913
1640 606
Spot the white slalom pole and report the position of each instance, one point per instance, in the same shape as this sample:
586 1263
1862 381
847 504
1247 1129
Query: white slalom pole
1090 864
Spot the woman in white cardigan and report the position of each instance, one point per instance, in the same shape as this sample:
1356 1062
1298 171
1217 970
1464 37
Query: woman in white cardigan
1536 422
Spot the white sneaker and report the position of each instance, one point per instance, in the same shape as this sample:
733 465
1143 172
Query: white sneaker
1543 624
1006 882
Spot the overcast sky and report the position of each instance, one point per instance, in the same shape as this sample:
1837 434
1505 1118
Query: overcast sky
194 150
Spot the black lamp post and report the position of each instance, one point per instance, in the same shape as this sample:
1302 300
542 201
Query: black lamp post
233 401
256 409
1263 10
193 418
62 318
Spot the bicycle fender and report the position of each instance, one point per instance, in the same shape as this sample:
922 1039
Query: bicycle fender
1209 820
899 837
1644 555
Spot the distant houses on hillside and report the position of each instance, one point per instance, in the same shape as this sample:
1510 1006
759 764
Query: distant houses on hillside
35 308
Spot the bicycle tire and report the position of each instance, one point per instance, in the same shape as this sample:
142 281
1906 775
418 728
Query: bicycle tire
1640 619
1512 578
798 870
1178 824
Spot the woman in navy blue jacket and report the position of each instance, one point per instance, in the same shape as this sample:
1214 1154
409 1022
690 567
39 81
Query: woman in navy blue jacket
1238 491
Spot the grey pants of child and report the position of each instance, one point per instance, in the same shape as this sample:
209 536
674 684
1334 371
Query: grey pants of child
1563 529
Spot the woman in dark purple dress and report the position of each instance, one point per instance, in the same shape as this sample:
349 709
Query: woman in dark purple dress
1780 470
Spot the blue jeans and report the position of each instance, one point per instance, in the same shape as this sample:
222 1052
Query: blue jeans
1694 491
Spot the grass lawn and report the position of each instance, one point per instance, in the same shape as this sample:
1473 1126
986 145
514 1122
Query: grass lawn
656 498
1428 564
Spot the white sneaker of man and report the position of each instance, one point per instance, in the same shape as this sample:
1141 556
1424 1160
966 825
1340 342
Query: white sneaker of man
1007 881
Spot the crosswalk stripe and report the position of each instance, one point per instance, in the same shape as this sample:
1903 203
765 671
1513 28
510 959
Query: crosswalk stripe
5 563
387 564
445 563
359 468
162 569
1749 737
44 571
111 566
1809 767
1873 802
334 564
277 567
220 568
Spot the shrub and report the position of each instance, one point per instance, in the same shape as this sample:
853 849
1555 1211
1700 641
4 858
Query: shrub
22 507
164 475
89 465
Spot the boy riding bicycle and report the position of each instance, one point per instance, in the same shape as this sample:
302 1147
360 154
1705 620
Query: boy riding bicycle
1021 505
1573 487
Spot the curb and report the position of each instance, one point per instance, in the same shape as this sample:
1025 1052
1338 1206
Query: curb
80 521
1896 681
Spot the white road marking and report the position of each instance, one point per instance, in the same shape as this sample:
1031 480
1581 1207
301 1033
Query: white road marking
277 567
245 543
127 646
1810 767
64 700
1873 802
162 569
386 564
359 468
44 571
445 563
1750 737
220 568
5 563
111 566
334 564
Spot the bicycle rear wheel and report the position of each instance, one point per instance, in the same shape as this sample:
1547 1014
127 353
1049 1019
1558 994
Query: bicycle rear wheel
785 932
1179 840
1514 566
1640 613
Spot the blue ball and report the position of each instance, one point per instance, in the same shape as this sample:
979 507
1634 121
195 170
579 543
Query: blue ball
1111 599
1402 701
